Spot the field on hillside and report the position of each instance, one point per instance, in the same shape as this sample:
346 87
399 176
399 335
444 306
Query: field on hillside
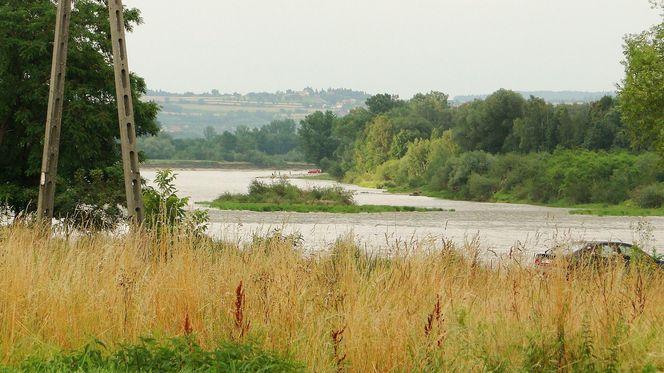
427 307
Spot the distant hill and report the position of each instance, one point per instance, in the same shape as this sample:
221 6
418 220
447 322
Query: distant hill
554 97
186 115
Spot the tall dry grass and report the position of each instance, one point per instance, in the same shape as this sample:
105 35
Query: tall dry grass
423 309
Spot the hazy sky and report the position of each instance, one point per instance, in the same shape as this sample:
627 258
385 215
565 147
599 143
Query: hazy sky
395 46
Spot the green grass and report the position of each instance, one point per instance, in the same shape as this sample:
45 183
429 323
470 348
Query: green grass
596 209
294 207
615 210
324 177
283 196
181 354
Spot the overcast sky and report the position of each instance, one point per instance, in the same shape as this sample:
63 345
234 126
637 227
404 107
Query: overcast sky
395 46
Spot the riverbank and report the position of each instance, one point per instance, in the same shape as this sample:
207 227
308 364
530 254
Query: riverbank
499 226
428 307
595 209
599 209
221 165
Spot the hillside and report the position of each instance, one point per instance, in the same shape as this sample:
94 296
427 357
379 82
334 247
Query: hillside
187 115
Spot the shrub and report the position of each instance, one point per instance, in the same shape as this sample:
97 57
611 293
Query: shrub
481 188
163 208
651 196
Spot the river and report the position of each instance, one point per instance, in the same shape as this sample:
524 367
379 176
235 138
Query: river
499 227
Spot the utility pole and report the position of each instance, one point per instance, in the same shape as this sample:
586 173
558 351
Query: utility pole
125 105
49 170
132 173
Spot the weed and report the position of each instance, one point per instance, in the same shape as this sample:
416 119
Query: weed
337 337
241 325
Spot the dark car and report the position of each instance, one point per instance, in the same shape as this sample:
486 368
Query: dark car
596 252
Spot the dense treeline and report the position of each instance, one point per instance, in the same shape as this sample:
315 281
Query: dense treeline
269 145
504 147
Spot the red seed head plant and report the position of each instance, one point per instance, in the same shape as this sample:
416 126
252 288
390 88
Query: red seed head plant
338 336
188 328
241 326
435 319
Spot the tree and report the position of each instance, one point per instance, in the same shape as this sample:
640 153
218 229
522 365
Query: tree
382 103
90 133
642 92
434 107
485 125
536 130
278 137
316 138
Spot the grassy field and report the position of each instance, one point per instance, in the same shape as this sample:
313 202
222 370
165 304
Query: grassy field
283 196
429 307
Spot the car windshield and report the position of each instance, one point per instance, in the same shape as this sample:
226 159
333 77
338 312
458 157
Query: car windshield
607 250
626 250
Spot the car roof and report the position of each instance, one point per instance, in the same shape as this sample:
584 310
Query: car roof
604 243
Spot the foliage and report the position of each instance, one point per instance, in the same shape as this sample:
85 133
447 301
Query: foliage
383 103
96 198
651 196
284 192
164 209
175 355
487 124
562 177
89 139
501 148
315 135
642 90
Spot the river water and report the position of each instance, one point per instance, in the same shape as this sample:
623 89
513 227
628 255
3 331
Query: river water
498 227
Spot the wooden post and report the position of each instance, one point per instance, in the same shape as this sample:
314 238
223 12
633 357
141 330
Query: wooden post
132 174
49 170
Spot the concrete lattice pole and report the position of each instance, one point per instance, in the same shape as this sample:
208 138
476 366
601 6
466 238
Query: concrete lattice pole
49 170
132 174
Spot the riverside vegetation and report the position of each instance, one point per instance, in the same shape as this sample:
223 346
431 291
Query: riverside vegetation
283 196
175 300
505 147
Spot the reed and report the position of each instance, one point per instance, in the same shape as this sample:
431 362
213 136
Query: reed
418 308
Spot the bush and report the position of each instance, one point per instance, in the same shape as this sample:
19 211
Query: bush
465 165
651 196
481 188
164 209
283 192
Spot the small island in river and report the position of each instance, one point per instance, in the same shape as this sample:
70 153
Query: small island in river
283 196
